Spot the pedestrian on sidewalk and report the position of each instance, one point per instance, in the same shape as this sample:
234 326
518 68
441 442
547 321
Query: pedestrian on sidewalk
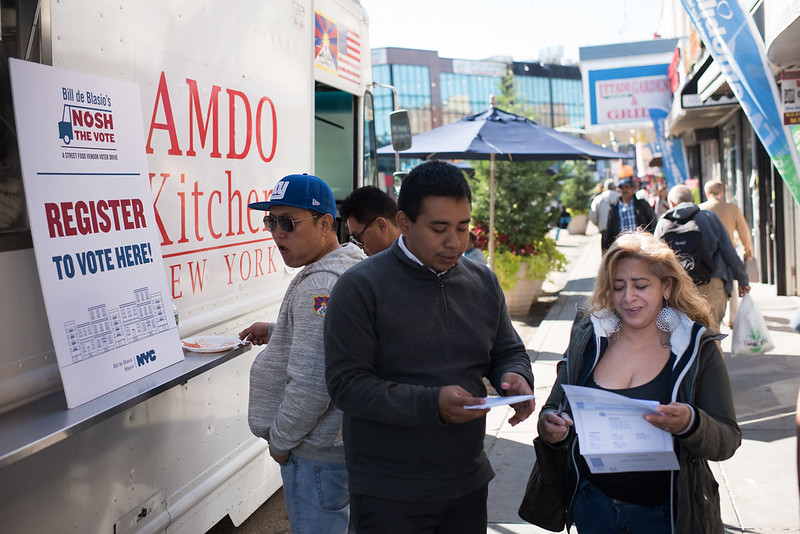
473 252
598 211
659 201
733 220
409 337
371 217
563 220
727 264
627 213
643 335
289 404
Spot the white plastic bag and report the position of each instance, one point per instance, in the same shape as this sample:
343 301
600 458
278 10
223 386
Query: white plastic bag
750 334
795 322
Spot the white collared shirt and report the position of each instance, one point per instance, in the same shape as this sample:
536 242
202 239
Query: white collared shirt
402 243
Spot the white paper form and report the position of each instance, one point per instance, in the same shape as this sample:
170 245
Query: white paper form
614 437
491 402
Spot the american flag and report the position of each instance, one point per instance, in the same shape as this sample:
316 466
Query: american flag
349 55
337 49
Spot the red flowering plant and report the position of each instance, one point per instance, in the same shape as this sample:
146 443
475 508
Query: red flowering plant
525 193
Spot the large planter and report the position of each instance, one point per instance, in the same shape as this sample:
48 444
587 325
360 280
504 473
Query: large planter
525 292
577 226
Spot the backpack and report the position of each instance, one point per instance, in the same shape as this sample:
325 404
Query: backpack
686 239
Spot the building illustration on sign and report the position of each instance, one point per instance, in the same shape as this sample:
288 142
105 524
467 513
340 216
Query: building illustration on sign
106 330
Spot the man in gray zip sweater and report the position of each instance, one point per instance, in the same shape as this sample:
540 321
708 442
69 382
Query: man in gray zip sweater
409 337
289 405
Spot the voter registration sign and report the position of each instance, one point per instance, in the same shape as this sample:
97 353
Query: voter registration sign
94 229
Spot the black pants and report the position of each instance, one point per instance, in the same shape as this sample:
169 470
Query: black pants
464 515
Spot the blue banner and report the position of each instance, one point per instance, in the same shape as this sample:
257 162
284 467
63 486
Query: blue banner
673 157
731 36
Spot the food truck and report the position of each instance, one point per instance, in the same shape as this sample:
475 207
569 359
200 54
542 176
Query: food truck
234 95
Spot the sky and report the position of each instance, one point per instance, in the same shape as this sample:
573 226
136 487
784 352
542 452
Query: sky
477 29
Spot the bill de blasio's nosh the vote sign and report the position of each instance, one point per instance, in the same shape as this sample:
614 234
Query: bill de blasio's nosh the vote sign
94 233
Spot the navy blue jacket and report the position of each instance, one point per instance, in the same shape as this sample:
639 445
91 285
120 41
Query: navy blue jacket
716 240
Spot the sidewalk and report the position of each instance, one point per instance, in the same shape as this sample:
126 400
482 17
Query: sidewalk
758 486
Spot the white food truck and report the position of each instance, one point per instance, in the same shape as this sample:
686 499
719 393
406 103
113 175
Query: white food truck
234 96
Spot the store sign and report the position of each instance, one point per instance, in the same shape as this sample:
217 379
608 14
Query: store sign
674 71
790 89
731 36
479 68
94 228
626 95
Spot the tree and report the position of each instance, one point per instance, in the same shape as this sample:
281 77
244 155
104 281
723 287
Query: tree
526 194
579 184
509 101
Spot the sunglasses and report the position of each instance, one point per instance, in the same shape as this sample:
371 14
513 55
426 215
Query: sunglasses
356 238
284 223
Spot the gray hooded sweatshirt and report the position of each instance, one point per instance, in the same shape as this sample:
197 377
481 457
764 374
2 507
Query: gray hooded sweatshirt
289 404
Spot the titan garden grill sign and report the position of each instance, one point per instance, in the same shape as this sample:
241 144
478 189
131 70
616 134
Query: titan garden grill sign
93 225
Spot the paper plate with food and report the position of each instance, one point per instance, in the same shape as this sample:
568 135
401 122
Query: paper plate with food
211 343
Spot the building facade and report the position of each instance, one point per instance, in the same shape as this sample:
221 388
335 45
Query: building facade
621 83
606 98
437 91
720 141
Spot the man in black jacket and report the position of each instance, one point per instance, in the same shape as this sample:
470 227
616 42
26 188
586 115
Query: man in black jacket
410 333
628 213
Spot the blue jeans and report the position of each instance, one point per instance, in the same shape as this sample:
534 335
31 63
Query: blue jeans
594 512
316 495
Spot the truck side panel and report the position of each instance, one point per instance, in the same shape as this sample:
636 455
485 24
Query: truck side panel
228 101
225 92
190 442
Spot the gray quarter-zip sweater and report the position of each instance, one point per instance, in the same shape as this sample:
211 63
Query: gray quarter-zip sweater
289 404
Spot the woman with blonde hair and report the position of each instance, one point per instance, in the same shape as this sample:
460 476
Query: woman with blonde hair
643 335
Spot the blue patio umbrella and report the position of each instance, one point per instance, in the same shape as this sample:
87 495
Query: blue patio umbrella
495 134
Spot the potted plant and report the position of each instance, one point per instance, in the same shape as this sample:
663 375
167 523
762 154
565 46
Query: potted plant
578 186
525 193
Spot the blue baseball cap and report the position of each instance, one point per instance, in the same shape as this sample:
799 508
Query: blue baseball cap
625 181
304 191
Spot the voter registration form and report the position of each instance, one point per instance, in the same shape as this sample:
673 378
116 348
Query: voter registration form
613 435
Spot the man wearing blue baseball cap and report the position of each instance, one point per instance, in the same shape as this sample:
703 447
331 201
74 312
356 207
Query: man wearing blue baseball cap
289 405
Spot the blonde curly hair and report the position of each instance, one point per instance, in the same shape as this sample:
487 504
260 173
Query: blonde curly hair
643 246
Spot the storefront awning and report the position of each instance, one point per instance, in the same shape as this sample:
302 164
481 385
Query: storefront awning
704 101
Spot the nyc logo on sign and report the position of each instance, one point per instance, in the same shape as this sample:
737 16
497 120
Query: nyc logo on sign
145 357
